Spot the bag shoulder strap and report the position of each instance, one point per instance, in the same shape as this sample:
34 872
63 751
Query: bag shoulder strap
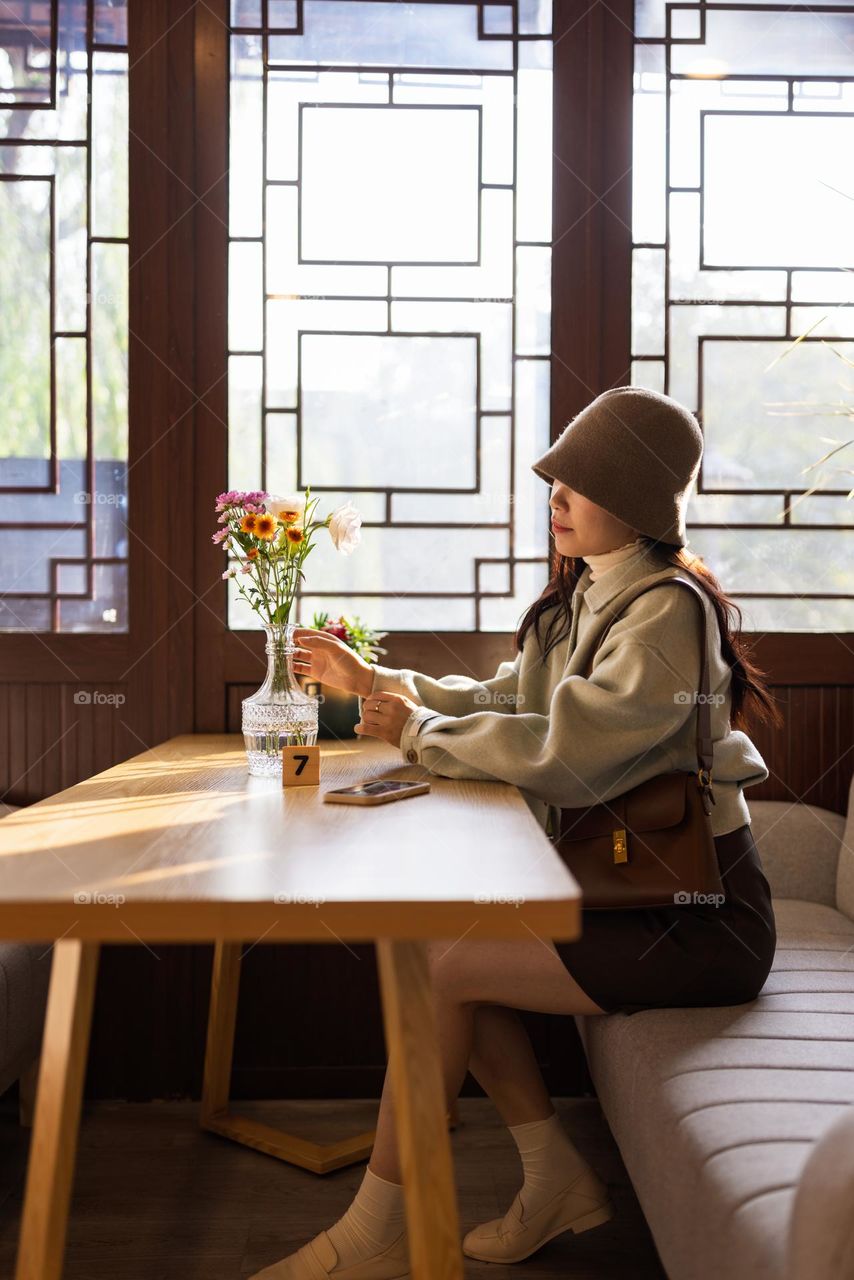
704 714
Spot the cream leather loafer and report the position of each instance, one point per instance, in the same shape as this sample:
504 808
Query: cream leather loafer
583 1204
317 1261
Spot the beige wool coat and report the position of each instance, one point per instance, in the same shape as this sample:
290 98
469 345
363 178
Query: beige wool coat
566 740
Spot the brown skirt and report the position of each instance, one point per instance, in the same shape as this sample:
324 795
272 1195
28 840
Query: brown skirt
681 956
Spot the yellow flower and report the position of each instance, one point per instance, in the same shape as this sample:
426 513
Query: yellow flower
289 515
247 524
295 534
265 527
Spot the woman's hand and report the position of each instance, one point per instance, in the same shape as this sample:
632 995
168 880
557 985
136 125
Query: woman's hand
384 715
324 657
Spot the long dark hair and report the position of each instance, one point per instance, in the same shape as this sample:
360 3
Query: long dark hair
750 695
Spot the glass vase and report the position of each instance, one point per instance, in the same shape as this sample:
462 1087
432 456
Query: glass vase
279 714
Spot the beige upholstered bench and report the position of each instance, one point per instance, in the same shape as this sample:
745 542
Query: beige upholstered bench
24 978
736 1124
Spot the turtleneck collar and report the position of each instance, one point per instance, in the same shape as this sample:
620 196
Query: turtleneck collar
605 560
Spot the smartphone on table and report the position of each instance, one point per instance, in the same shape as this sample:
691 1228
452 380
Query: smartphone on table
379 791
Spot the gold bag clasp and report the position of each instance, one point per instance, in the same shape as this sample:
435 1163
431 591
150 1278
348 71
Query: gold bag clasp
621 849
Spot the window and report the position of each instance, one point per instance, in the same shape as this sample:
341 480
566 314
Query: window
743 287
63 316
389 295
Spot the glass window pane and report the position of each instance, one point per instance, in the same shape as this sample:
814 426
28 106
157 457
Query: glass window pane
492 279
27 53
383 388
111 22
533 300
25 209
766 417
782 563
245 377
389 184
394 268
109 321
63 341
743 308
534 147
71 240
749 160
745 41
246 13
649 145
535 17
245 297
246 105
385 33
648 267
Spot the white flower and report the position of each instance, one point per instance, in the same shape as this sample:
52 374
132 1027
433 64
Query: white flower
345 528
283 508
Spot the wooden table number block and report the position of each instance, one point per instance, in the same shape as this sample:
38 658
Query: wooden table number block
301 766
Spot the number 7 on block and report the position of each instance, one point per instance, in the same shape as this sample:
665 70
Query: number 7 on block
300 766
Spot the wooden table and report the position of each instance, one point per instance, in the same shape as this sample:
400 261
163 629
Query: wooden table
181 844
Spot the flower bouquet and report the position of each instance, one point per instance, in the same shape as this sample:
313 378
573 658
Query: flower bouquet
355 634
340 711
271 537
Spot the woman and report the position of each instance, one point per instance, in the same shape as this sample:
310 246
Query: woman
620 476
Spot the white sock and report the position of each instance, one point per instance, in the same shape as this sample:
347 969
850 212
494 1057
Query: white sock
550 1162
373 1221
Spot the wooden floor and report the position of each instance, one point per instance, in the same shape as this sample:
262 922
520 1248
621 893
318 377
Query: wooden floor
157 1199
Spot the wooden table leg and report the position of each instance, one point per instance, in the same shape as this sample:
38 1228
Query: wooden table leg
222 1019
215 1115
420 1111
53 1145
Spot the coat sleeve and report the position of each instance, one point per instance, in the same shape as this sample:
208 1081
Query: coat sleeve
453 695
602 734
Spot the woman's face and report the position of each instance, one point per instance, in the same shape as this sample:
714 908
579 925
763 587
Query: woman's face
581 528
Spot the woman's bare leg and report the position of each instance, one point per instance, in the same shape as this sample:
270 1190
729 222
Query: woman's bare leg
466 977
503 1063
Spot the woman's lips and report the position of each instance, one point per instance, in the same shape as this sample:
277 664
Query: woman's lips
560 528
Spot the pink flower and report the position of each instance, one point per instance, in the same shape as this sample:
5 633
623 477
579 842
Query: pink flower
236 498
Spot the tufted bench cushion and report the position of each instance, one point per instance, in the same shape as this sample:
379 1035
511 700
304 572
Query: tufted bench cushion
731 1120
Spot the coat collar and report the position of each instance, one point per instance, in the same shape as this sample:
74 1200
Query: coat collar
646 562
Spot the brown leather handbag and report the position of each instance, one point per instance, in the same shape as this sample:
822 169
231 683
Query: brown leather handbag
652 846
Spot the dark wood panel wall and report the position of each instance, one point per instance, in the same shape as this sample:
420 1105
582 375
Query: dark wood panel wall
309 1017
